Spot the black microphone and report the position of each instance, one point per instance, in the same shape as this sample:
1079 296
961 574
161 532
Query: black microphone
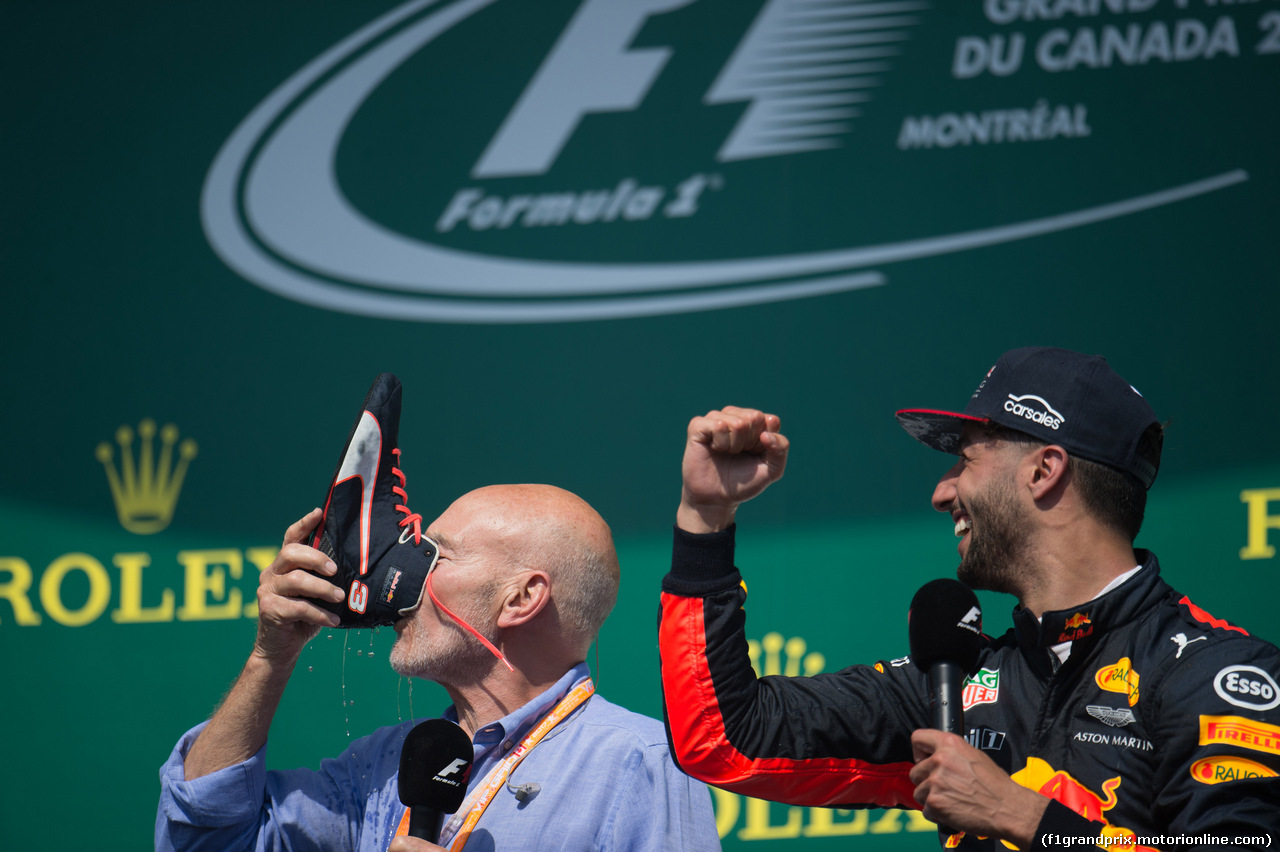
435 765
945 629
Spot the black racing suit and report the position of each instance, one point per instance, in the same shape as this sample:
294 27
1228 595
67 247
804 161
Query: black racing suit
1162 721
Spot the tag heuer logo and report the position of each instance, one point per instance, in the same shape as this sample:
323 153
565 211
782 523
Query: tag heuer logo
982 688
473 187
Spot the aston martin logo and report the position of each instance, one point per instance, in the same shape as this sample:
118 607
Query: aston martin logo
1111 716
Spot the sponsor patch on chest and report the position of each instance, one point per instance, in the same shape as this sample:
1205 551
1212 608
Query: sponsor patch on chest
1114 739
982 688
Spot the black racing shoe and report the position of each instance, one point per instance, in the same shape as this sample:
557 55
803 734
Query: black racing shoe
367 530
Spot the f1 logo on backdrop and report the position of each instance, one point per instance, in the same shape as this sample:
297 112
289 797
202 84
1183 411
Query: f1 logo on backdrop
513 217
593 69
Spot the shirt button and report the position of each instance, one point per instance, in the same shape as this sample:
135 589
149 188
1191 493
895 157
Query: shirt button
506 746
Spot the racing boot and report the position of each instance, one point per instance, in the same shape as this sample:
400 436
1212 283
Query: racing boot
368 530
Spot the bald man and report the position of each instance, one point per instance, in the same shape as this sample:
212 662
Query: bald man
524 578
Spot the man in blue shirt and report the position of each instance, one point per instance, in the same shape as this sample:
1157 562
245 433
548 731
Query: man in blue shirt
525 576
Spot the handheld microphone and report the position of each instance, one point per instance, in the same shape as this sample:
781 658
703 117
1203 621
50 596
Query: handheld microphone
435 765
945 629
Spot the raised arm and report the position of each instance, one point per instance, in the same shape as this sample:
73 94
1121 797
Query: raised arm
828 740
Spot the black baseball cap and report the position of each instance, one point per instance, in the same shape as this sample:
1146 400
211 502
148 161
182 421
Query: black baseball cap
1060 397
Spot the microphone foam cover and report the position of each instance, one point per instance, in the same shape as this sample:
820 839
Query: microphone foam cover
435 764
945 625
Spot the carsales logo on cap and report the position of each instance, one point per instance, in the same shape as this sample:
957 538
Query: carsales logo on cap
1035 409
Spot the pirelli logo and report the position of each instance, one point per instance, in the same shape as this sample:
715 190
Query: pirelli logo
1239 731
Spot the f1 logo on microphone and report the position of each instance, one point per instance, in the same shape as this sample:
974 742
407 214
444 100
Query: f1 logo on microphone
972 620
460 764
457 764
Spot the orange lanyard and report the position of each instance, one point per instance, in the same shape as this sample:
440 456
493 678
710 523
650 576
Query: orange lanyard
480 797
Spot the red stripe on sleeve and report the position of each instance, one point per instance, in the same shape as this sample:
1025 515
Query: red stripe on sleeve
703 749
1205 618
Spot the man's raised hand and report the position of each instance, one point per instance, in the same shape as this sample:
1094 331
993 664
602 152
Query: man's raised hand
287 617
730 456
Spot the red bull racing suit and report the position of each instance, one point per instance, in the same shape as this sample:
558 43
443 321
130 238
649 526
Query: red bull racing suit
1162 720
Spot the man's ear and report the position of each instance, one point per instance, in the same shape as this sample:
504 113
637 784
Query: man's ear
525 598
1048 470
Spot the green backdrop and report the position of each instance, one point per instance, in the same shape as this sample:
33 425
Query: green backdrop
568 227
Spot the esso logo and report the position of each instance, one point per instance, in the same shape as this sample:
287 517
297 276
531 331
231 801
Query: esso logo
1247 686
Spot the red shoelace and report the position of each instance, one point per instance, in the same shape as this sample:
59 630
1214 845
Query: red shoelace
410 517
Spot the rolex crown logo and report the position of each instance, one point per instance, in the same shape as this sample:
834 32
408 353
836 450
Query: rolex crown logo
146 491
796 661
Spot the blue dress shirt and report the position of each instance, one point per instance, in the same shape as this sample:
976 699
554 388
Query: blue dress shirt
605 777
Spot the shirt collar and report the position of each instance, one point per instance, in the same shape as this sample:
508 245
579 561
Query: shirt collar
1063 649
510 729
1115 605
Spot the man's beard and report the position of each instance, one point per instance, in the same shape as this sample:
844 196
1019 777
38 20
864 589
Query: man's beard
998 541
448 654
